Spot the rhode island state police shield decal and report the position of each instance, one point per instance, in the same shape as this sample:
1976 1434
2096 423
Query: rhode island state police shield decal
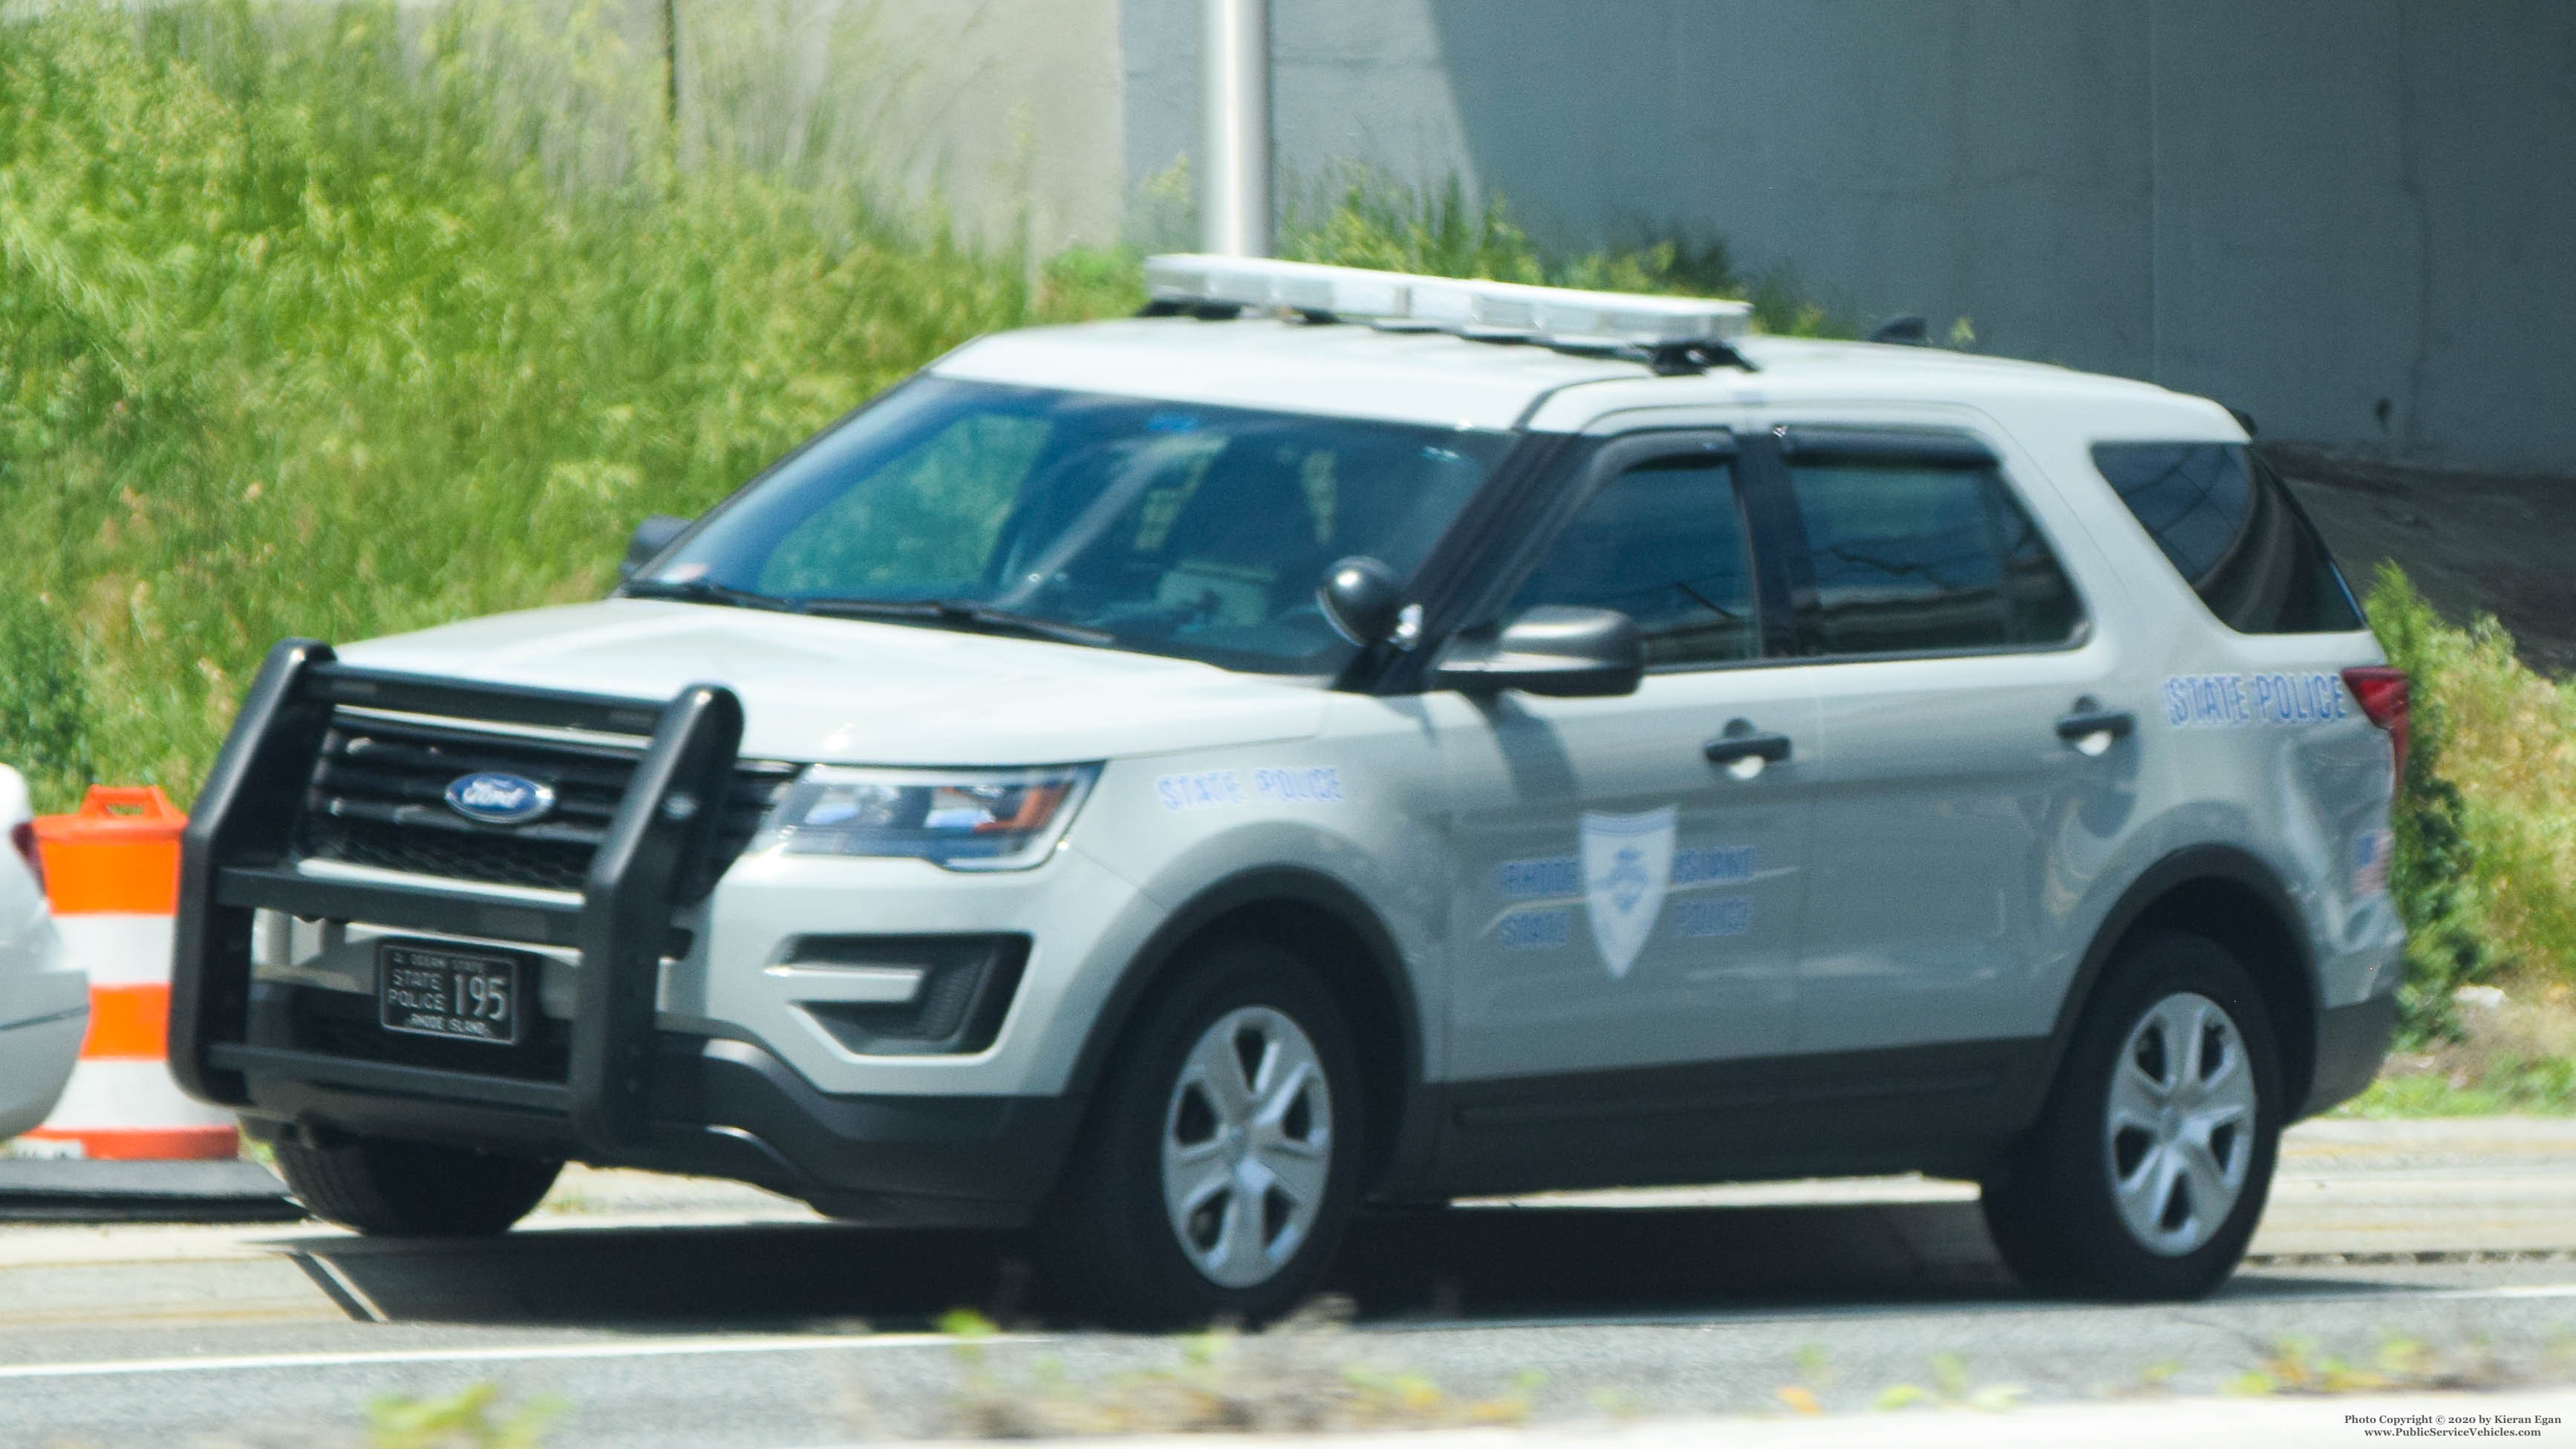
1627 863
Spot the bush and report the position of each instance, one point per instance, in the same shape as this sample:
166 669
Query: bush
2485 866
2431 874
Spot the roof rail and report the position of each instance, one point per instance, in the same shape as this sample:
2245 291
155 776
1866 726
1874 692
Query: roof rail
1669 334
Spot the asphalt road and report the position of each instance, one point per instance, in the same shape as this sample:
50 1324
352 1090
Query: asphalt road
663 1312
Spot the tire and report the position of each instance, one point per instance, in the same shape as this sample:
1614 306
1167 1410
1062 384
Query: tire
385 1188
2197 1159
1152 1225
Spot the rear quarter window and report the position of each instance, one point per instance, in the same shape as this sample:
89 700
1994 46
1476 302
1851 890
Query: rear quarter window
2230 527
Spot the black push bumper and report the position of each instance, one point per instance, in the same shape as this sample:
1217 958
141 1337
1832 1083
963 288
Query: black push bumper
718 1108
628 1092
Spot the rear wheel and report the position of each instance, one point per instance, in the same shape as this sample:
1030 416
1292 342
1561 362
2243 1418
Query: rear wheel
1217 1167
386 1188
2153 1158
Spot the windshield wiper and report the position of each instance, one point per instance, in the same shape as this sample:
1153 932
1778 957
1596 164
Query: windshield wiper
702 591
962 613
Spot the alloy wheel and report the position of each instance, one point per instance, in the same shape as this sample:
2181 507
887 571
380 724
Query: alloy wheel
2178 1134
1247 1146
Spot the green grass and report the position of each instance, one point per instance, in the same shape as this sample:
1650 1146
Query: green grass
337 321
2509 1087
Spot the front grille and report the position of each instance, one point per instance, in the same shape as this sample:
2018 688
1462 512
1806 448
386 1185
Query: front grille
379 798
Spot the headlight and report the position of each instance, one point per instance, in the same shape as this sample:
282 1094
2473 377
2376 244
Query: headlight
961 819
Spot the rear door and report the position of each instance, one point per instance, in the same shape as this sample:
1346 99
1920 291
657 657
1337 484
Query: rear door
1959 794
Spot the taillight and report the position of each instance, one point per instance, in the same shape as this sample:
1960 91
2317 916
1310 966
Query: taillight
23 836
2381 693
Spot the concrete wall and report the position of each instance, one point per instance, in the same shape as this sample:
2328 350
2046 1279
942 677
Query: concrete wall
1013 110
1008 113
2303 207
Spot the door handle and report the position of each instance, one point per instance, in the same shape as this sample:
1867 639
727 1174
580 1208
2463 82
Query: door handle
1742 742
2091 728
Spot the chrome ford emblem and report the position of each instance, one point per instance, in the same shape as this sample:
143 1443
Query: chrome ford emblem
498 799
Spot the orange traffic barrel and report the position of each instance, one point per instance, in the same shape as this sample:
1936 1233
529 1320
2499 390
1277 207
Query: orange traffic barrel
112 873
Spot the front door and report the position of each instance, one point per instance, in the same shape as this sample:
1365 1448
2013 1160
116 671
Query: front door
1621 901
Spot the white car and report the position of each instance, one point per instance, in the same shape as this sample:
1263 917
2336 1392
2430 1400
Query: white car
44 994
1350 737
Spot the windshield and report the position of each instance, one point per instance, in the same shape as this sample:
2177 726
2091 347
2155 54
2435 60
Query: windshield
1165 527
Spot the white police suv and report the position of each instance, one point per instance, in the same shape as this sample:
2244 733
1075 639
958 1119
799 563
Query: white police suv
1348 737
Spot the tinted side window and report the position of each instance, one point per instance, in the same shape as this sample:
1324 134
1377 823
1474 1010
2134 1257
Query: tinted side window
2232 530
1664 544
1912 557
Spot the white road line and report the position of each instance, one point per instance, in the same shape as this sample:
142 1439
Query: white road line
2399 1293
664 1348
1741 1317
2518 1290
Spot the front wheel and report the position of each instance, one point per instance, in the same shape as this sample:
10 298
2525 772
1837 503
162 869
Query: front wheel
386 1188
2151 1162
1217 1168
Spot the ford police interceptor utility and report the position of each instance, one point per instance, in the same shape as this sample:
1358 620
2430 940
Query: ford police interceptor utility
1339 738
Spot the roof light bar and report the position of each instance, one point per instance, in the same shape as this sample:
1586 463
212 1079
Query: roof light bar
1560 315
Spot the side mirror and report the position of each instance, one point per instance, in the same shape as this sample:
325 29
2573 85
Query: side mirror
1363 601
1552 649
651 536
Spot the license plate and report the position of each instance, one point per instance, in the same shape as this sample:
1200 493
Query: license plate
435 991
